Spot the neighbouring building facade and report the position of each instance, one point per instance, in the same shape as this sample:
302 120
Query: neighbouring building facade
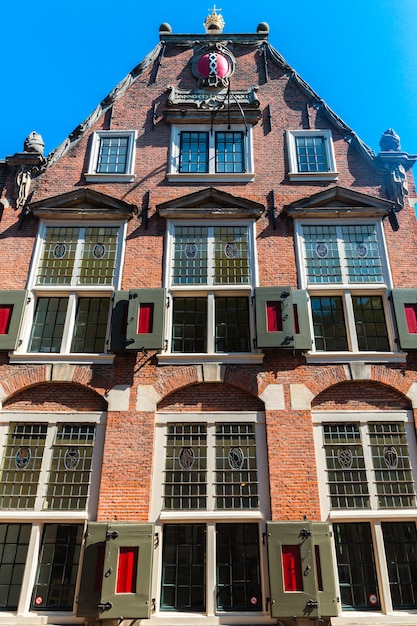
208 366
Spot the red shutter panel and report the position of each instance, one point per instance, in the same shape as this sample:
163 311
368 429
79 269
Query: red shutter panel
6 311
411 317
145 318
274 316
291 565
127 570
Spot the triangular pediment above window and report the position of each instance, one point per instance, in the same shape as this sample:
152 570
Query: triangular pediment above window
83 203
210 203
339 202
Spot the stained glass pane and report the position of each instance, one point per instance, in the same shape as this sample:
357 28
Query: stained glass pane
56 266
185 484
231 255
345 463
97 264
363 259
236 473
391 462
322 255
21 465
70 469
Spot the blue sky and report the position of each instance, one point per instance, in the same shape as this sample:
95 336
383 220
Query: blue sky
60 59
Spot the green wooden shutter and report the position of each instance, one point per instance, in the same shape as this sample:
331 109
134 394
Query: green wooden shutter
119 321
328 594
136 604
303 339
17 301
309 601
400 298
155 339
91 574
284 338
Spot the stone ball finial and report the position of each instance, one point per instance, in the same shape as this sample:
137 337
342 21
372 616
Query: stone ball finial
263 27
390 141
165 28
34 143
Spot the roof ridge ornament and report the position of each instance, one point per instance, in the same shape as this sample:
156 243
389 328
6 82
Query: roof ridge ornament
214 23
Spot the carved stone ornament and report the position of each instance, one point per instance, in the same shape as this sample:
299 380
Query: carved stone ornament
213 66
204 100
22 185
34 143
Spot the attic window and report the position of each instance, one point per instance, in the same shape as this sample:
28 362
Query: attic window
112 156
311 155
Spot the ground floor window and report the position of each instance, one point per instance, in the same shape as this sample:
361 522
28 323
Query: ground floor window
14 542
356 553
236 577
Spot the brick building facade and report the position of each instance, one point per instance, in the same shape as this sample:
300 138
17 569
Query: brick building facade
208 380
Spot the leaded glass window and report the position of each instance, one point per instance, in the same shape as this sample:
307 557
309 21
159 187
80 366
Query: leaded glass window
21 465
400 540
236 471
90 326
78 256
342 254
185 484
391 463
211 255
70 470
346 472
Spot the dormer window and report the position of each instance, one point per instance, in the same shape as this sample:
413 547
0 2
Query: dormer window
112 156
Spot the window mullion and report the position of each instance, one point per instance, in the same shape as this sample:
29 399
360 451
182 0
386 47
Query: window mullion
211 466
211 152
211 322
29 575
69 324
381 567
78 256
44 472
342 255
350 321
370 474
211 586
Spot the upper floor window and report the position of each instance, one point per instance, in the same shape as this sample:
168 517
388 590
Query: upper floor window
72 283
112 156
311 155
204 153
210 277
344 268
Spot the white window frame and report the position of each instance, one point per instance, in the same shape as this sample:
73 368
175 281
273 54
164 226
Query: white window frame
39 517
174 156
210 291
373 515
73 292
346 291
129 175
294 173
209 516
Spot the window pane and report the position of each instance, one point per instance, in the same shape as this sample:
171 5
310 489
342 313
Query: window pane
400 539
322 255
21 466
112 157
329 323
194 152
70 470
391 461
311 154
236 475
98 260
58 566
363 259
14 542
185 485
90 325
189 325
190 260
371 329
356 567
229 152
48 325
184 567
231 255
232 325
238 567
346 474
56 265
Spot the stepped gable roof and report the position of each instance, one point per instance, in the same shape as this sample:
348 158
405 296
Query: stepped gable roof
258 40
